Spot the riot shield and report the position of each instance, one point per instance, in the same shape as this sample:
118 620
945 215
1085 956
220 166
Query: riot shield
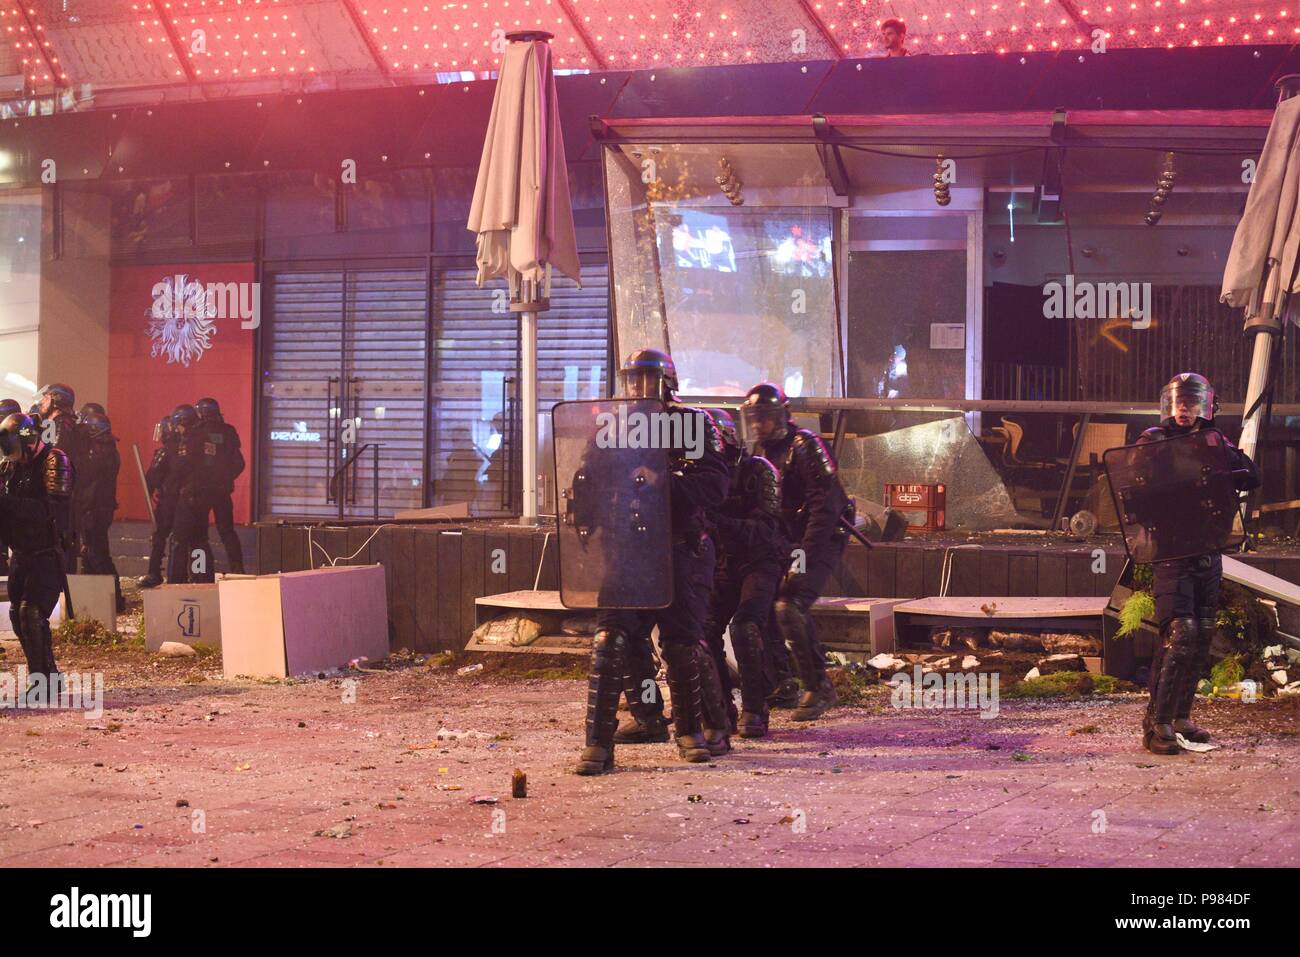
615 525
1175 498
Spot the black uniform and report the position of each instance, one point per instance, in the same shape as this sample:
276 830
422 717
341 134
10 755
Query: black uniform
61 427
192 477
697 488
223 463
95 502
37 520
1187 607
812 504
161 479
752 557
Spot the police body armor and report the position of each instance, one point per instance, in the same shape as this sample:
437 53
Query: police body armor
97 474
749 524
40 492
222 459
811 494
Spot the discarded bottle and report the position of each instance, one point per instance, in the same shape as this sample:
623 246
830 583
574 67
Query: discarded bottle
519 784
470 669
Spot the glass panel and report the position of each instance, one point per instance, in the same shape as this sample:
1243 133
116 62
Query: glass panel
737 294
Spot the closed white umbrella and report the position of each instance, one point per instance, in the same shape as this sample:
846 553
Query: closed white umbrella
522 212
1261 273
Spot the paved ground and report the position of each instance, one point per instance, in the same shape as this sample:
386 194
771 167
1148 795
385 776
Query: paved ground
268 771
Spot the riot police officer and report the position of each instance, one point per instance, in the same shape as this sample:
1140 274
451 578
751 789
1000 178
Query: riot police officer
88 409
191 555
698 486
814 507
752 557
224 463
1186 589
34 510
8 407
96 496
55 405
159 480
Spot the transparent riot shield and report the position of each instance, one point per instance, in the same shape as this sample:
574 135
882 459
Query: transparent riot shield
615 525
1175 498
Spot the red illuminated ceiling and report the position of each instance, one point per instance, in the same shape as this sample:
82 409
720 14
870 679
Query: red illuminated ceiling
125 44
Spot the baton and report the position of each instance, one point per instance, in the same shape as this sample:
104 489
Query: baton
148 499
852 530
63 572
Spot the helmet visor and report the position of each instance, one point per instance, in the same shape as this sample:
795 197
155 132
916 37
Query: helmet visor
1186 404
765 422
641 383
11 446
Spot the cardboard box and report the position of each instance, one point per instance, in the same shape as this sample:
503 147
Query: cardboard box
190 614
300 623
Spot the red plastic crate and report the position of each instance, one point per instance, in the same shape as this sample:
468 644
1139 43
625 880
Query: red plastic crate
927 501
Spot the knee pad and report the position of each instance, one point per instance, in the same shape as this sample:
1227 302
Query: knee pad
34 621
609 641
788 613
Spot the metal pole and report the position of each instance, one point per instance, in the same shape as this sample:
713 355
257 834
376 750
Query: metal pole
1265 329
528 328
148 499
376 448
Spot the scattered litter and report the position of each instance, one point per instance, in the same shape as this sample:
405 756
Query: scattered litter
675 814
484 799
469 669
1280 677
182 803
695 798
337 831
989 608
518 784
446 734
741 820
970 661
449 787
1194 745
385 806
176 649
886 662
1032 673
244 767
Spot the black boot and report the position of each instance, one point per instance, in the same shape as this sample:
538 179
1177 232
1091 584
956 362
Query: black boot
1205 627
646 724
747 643
819 694
683 661
603 687
157 546
1175 659
716 719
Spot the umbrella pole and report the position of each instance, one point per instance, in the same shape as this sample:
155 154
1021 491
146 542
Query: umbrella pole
1266 330
528 383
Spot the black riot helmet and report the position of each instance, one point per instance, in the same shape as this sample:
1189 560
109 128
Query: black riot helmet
20 437
648 374
88 408
1188 396
767 412
56 395
9 407
184 418
162 432
208 410
727 429
96 424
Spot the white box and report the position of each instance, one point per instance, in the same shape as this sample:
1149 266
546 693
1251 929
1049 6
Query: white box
299 623
93 596
186 613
